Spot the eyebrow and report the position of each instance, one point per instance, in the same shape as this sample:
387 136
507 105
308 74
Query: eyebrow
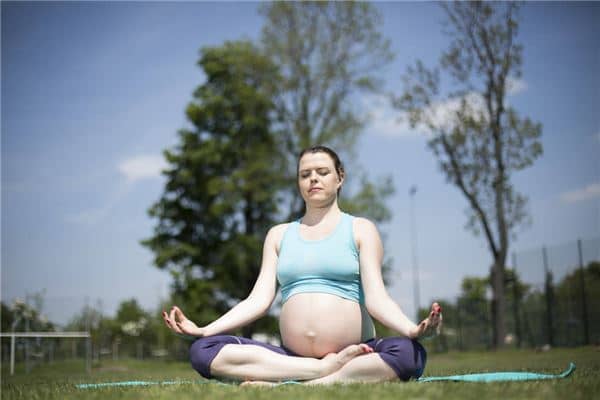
318 168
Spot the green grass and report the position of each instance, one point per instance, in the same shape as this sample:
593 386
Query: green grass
58 381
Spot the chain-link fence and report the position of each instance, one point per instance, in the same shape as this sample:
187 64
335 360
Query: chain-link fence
561 307
553 299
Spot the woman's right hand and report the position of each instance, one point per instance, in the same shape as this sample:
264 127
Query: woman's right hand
180 324
430 326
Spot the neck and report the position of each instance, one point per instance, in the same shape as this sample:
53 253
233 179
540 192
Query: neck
315 214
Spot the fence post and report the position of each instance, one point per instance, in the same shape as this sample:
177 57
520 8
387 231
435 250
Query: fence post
586 331
549 299
88 354
459 324
516 301
12 355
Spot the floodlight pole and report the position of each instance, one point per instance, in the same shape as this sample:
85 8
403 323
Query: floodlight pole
415 264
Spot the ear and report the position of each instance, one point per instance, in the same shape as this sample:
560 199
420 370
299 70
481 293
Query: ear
340 180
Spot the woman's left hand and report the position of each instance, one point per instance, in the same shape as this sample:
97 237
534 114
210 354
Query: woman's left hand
430 326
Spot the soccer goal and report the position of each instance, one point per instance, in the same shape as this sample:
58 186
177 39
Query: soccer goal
38 336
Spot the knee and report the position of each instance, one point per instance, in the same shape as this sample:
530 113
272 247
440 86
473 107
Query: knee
202 352
405 356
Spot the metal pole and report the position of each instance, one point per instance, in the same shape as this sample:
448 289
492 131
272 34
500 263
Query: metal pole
27 366
12 355
584 312
549 298
516 301
88 354
416 289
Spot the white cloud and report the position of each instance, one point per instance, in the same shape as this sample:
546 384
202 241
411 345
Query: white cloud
443 114
133 170
515 86
384 120
142 167
387 121
589 192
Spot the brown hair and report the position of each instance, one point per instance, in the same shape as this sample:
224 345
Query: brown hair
339 167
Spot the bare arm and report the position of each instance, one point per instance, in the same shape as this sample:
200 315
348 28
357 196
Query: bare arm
253 307
378 302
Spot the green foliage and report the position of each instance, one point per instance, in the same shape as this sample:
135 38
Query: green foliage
7 317
467 320
478 138
130 310
21 316
326 53
222 190
570 294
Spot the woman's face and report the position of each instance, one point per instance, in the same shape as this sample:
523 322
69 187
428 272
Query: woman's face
318 181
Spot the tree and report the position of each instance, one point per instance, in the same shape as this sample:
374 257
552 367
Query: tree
23 316
132 328
223 184
477 137
326 52
577 304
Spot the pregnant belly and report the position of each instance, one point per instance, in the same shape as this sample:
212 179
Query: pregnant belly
315 324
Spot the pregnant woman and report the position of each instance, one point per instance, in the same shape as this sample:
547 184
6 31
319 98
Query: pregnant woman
328 265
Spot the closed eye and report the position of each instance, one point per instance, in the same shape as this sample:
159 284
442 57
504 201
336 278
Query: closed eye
321 171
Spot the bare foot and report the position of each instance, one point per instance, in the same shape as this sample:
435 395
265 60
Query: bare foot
257 383
331 362
335 361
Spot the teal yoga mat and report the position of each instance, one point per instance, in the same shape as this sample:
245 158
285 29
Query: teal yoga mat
483 377
141 383
499 376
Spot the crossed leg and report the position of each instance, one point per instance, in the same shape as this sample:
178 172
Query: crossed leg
366 368
255 363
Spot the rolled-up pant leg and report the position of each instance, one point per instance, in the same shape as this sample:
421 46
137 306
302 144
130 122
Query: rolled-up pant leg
204 350
405 356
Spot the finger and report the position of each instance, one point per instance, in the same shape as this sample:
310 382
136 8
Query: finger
168 322
172 314
181 328
165 317
180 315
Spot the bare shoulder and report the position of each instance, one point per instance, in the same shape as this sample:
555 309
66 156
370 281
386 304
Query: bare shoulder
364 229
275 235
364 226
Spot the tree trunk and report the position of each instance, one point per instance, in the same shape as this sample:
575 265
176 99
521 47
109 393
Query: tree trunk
498 305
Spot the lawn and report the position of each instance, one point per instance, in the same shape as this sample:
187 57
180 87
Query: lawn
58 380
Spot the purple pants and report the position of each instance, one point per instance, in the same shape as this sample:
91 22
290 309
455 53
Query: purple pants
405 356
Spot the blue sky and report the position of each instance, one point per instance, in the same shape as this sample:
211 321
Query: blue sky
92 93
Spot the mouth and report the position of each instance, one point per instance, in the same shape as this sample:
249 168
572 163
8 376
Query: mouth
314 190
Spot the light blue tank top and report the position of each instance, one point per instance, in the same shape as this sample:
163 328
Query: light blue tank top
329 265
